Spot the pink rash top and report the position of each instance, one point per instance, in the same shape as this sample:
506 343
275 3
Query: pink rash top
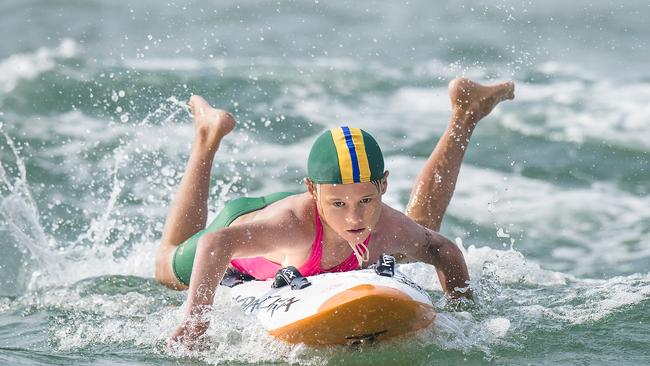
262 268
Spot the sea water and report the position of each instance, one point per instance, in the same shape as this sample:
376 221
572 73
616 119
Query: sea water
551 209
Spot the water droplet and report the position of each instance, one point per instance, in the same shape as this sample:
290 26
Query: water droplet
502 234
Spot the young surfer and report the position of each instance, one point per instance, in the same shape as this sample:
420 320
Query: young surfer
339 224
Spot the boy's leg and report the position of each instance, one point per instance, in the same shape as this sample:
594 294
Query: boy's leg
189 209
435 184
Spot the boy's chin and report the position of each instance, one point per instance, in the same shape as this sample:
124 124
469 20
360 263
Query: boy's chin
356 238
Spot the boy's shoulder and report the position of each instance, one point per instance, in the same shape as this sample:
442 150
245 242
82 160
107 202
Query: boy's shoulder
396 217
295 208
396 224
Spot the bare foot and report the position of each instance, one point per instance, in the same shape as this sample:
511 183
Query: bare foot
476 101
211 124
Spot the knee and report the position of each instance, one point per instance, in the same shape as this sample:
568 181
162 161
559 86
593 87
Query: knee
164 273
211 239
162 256
162 253
214 244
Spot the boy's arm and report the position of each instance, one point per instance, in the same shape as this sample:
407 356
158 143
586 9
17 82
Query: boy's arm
432 248
213 254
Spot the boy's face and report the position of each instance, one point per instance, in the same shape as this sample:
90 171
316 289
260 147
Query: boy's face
351 210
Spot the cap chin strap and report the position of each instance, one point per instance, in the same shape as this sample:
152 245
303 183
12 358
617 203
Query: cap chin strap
361 258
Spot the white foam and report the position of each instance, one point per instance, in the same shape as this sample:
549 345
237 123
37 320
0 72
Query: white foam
602 218
140 319
593 220
515 296
511 267
20 222
586 300
411 102
575 111
566 69
399 120
93 253
497 326
160 64
435 68
27 66
262 65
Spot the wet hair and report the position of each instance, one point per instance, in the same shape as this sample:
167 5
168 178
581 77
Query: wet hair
377 183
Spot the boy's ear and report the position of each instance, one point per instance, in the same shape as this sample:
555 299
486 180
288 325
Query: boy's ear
310 187
384 182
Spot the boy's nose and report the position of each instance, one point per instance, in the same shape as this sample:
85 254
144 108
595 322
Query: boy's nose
354 218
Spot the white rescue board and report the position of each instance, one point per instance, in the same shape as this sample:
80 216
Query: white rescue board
338 308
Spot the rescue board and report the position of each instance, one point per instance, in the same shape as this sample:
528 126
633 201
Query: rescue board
338 308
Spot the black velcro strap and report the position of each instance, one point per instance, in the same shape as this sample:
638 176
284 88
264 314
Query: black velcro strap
233 277
290 276
385 265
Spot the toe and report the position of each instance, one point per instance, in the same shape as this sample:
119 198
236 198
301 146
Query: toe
196 101
511 94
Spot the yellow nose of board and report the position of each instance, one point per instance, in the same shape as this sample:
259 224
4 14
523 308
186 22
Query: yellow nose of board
364 311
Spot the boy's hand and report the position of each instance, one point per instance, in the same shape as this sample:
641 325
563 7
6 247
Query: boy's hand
186 335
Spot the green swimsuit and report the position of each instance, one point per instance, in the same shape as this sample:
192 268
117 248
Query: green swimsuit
184 254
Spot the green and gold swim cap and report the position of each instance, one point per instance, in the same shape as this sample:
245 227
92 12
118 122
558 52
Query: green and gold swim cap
345 155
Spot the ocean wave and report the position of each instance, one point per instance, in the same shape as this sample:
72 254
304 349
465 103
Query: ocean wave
545 219
27 66
605 112
562 227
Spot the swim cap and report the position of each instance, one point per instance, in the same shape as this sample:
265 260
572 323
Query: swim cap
345 155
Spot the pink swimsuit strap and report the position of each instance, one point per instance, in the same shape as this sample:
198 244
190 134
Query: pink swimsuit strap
262 268
313 265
